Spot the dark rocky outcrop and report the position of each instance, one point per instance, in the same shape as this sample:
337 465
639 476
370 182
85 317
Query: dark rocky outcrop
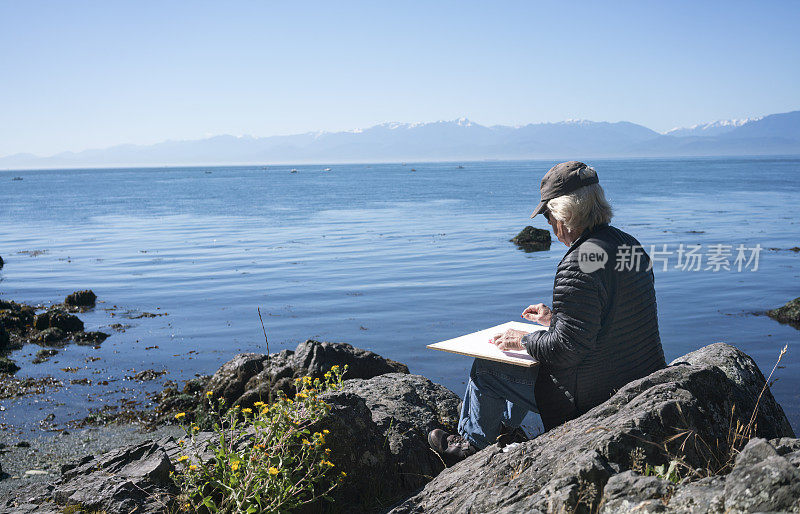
44 355
51 337
5 338
252 377
789 313
16 320
92 338
685 409
57 318
8 366
532 239
84 298
56 326
1 263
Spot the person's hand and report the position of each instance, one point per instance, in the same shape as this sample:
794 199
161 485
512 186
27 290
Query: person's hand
509 340
539 313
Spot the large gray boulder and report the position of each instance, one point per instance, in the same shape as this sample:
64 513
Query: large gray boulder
686 408
134 478
378 435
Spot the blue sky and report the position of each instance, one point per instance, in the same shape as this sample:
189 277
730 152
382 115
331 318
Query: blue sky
77 75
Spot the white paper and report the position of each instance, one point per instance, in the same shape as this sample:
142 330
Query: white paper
477 344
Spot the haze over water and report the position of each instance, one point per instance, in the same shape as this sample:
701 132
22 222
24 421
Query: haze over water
379 256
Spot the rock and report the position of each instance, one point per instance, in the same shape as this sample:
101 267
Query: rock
131 479
745 383
230 379
276 376
1 263
378 428
57 318
761 480
15 316
5 339
686 407
81 299
89 338
628 490
149 374
532 239
44 354
252 377
50 336
315 358
8 366
789 313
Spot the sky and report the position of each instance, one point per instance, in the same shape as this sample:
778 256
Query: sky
79 74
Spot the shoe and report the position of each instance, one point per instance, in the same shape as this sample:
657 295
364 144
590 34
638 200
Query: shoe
452 448
510 435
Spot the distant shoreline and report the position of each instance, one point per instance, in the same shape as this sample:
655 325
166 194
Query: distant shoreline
409 162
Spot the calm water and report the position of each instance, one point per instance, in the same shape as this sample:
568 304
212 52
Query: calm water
375 255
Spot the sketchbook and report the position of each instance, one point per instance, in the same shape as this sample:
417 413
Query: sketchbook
477 345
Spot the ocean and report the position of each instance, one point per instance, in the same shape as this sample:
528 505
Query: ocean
387 257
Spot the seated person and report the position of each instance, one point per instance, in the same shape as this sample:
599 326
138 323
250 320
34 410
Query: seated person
603 327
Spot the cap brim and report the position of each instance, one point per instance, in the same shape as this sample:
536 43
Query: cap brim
539 208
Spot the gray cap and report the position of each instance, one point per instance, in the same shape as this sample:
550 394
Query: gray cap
562 179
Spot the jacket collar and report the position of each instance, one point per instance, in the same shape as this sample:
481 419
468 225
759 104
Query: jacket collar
584 236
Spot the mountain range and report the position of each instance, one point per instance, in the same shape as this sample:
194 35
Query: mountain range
457 140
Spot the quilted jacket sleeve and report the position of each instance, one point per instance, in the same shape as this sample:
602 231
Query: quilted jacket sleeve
578 304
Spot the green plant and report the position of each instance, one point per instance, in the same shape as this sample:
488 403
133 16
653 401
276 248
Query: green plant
265 459
662 471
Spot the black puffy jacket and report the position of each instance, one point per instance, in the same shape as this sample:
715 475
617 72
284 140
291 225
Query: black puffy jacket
604 329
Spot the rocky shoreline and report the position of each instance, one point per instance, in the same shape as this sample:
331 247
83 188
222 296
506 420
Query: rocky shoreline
608 460
703 435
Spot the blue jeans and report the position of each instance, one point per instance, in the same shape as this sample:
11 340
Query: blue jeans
496 393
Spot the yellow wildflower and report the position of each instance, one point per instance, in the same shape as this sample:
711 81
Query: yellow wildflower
305 441
328 375
234 465
326 431
334 367
180 415
273 471
196 428
328 463
344 474
247 410
193 467
182 458
307 380
209 394
258 404
301 395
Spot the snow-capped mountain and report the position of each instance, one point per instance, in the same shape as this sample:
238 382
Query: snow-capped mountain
459 139
714 128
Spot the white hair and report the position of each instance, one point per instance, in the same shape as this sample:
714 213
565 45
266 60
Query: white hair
584 208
